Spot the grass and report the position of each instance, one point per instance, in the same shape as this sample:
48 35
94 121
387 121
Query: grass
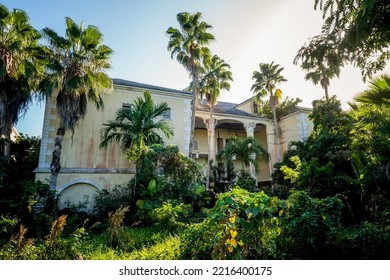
152 243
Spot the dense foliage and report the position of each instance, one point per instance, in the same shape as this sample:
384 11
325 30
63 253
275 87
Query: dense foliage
23 200
347 154
331 198
353 31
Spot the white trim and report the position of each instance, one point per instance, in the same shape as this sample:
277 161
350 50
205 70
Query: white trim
79 181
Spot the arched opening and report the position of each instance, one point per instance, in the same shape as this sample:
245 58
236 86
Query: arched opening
80 195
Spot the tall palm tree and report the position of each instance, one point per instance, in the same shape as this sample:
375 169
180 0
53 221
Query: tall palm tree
136 128
321 61
265 84
20 67
188 45
76 73
216 76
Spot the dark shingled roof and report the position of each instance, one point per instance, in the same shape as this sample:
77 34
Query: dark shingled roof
224 108
146 86
221 107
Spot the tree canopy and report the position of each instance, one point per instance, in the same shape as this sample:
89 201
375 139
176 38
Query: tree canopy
359 32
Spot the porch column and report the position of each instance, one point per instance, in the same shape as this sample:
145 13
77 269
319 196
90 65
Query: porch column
269 131
250 132
211 135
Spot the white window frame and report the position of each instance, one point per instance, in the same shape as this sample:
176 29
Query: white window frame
195 145
167 115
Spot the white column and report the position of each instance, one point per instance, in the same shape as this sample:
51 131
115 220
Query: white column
269 131
250 132
211 137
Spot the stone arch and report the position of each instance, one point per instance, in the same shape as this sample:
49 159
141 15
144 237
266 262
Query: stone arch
78 193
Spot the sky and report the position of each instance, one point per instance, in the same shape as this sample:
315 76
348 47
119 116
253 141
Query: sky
247 32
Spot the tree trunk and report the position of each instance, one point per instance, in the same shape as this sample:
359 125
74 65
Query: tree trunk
326 93
5 128
193 110
210 155
55 165
277 134
7 143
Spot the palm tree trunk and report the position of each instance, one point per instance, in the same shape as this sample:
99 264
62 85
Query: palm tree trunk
210 149
326 93
7 140
5 127
277 134
193 110
55 165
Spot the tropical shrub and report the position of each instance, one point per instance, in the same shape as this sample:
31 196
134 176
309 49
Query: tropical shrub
246 181
242 225
171 214
310 227
366 241
109 200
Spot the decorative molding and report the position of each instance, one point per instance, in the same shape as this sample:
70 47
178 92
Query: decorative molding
250 128
45 141
88 170
79 181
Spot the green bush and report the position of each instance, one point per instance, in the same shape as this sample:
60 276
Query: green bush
246 181
107 201
171 214
242 225
310 226
364 242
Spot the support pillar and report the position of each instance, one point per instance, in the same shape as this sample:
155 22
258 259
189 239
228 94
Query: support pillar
250 132
210 125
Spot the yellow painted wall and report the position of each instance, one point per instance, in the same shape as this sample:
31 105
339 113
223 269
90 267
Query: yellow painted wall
246 106
81 150
84 150
294 127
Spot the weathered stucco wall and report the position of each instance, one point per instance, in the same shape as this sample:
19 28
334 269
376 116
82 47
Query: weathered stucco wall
295 127
83 162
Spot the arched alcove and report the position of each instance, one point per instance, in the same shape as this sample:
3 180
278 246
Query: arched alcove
80 194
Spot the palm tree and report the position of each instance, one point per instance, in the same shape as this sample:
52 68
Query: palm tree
136 128
321 61
76 73
188 45
373 106
216 76
265 84
245 149
378 92
20 67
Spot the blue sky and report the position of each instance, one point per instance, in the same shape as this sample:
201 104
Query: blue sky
247 32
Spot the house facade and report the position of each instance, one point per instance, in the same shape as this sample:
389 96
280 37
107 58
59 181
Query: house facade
86 168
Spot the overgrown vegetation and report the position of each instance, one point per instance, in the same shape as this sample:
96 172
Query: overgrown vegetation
331 198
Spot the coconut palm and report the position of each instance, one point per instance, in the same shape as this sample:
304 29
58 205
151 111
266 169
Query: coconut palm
265 84
75 73
216 76
188 45
19 68
137 127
